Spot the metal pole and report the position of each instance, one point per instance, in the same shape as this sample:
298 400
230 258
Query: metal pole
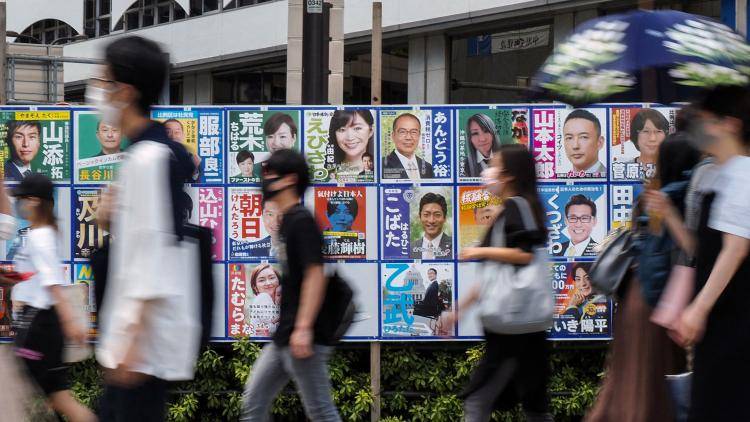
377 53
3 54
376 98
314 44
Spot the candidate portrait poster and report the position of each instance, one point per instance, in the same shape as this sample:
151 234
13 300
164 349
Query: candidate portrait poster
482 130
622 200
200 131
576 218
416 145
417 222
637 133
254 135
570 144
413 298
340 145
342 215
207 210
10 248
88 234
253 228
99 148
254 299
35 142
579 312
477 210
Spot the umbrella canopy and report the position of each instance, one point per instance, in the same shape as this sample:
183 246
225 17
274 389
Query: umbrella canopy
660 56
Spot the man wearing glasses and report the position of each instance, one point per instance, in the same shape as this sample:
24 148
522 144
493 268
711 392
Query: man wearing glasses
403 163
110 139
580 217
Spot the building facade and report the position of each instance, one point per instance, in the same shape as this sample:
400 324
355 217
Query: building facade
235 51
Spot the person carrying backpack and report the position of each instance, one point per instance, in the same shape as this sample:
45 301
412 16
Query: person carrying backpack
304 339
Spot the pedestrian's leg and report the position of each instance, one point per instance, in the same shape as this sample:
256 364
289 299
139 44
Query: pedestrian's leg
267 378
313 383
478 406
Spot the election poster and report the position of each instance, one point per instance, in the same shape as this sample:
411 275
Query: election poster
570 144
88 234
413 298
85 276
6 306
207 210
340 145
10 248
416 145
477 210
481 131
35 142
254 299
576 218
622 199
469 326
254 135
219 322
342 215
362 277
579 312
99 148
417 222
253 227
200 130
636 135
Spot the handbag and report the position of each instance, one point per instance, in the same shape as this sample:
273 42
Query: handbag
616 256
516 300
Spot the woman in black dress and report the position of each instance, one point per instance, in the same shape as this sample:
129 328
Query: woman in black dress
717 321
515 368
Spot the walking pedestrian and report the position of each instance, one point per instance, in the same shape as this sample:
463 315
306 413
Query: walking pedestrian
515 368
642 354
717 322
47 318
149 326
300 349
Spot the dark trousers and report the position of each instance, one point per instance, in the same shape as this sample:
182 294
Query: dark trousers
143 403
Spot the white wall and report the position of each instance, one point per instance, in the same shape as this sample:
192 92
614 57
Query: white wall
264 28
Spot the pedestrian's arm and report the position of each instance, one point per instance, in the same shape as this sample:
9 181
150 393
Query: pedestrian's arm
311 298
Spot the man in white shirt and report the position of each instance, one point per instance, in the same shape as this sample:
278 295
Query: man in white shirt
149 320
580 217
403 162
582 137
435 244
24 141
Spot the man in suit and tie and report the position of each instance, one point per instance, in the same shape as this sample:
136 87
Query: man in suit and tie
403 163
24 140
580 217
435 244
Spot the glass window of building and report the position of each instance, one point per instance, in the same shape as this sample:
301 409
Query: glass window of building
259 84
357 71
47 31
145 13
97 17
242 3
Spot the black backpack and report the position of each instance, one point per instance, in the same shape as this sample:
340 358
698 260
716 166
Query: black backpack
337 311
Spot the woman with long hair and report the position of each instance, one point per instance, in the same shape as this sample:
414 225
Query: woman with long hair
482 141
351 135
515 367
642 353
47 318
